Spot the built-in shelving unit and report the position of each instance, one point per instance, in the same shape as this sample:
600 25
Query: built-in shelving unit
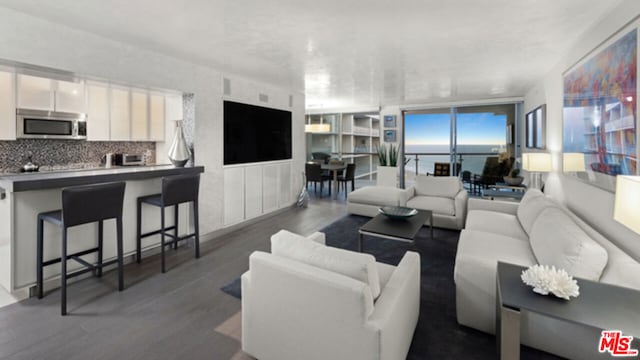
350 136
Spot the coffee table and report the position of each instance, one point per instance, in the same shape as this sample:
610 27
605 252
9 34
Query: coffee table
599 305
400 230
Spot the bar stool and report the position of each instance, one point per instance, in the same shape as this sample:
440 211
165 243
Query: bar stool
83 205
176 190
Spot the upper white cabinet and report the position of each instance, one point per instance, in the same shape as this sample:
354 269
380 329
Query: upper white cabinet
7 106
139 115
40 93
35 93
120 108
98 126
114 112
70 97
156 117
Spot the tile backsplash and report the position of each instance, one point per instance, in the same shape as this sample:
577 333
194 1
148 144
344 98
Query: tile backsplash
66 154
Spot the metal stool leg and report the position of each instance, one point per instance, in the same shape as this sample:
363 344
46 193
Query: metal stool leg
162 238
100 242
175 223
40 259
120 250
63 259
196 225
139 232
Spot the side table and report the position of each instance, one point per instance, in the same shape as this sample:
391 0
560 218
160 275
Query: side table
619 311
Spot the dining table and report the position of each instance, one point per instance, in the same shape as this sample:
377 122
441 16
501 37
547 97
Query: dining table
334 168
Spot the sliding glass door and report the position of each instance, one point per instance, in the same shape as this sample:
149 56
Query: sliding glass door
427 141
464 137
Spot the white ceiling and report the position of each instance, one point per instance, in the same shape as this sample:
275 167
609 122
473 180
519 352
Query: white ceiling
348 52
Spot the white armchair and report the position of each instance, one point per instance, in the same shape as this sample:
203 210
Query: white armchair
297 303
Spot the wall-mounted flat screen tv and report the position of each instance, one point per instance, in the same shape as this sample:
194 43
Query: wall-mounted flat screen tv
255 133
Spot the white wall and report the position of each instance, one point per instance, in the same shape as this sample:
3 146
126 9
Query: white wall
35 41
593 204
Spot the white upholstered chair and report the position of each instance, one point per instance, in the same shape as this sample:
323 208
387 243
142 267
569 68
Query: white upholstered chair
305 300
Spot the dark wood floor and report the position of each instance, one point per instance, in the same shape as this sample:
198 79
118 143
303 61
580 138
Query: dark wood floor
178 315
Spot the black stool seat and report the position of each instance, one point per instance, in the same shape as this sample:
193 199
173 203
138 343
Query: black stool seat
54 217
82 205
155 199
176 190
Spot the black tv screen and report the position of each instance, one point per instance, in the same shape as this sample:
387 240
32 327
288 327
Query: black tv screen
255 133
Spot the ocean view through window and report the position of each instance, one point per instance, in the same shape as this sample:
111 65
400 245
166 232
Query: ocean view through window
464 137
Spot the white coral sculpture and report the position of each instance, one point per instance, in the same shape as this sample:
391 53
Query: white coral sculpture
545 280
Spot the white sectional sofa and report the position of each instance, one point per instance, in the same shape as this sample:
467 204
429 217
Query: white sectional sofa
445 196
305 300
537 230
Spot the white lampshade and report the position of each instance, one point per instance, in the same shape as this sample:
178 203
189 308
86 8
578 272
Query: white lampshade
626 209
317 128
573 162
536 162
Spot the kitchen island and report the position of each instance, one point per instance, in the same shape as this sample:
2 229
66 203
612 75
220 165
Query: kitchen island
23 196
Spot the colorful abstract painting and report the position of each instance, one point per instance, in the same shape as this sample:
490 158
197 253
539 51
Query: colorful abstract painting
600 108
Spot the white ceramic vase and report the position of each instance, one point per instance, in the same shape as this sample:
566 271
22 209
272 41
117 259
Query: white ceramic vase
387 176
179 152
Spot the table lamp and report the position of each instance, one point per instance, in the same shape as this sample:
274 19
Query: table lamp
573 162
626 208
536 163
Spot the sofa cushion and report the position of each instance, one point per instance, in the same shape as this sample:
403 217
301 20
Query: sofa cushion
378 195
442 186
478 255
358 266
532 203
557 240
439 205
496 222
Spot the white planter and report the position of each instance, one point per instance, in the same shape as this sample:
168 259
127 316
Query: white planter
387 176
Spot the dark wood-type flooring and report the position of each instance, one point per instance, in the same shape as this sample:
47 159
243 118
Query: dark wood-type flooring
182 314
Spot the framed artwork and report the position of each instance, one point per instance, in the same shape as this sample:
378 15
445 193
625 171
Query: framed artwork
389 136
390 121
535 124
600 109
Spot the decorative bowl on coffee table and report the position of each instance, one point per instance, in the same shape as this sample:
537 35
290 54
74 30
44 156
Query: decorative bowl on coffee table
397 212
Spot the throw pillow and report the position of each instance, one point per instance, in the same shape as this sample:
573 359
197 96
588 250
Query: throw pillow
557 240
361 267
440 186
531 205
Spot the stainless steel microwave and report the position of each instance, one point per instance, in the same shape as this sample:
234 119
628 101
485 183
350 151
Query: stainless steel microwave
36 124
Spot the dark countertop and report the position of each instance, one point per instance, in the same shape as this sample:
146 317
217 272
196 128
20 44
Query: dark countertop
64 178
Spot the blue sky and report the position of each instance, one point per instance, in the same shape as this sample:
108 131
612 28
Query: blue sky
473 129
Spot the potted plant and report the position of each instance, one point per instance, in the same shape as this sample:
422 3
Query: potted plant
387 174
513 179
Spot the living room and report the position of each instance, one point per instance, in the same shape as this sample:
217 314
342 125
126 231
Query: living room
391 60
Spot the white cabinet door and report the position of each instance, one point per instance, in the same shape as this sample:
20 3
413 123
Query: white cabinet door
35 93
98 127
7 107
139 115
120 114
233 195
70 97
156 117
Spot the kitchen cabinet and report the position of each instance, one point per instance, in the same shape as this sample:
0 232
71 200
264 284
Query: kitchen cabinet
119 118
39 93
156 117
139 115
98 126
70 97
35 93
7 106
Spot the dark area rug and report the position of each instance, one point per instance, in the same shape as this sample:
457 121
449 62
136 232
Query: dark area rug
437 335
